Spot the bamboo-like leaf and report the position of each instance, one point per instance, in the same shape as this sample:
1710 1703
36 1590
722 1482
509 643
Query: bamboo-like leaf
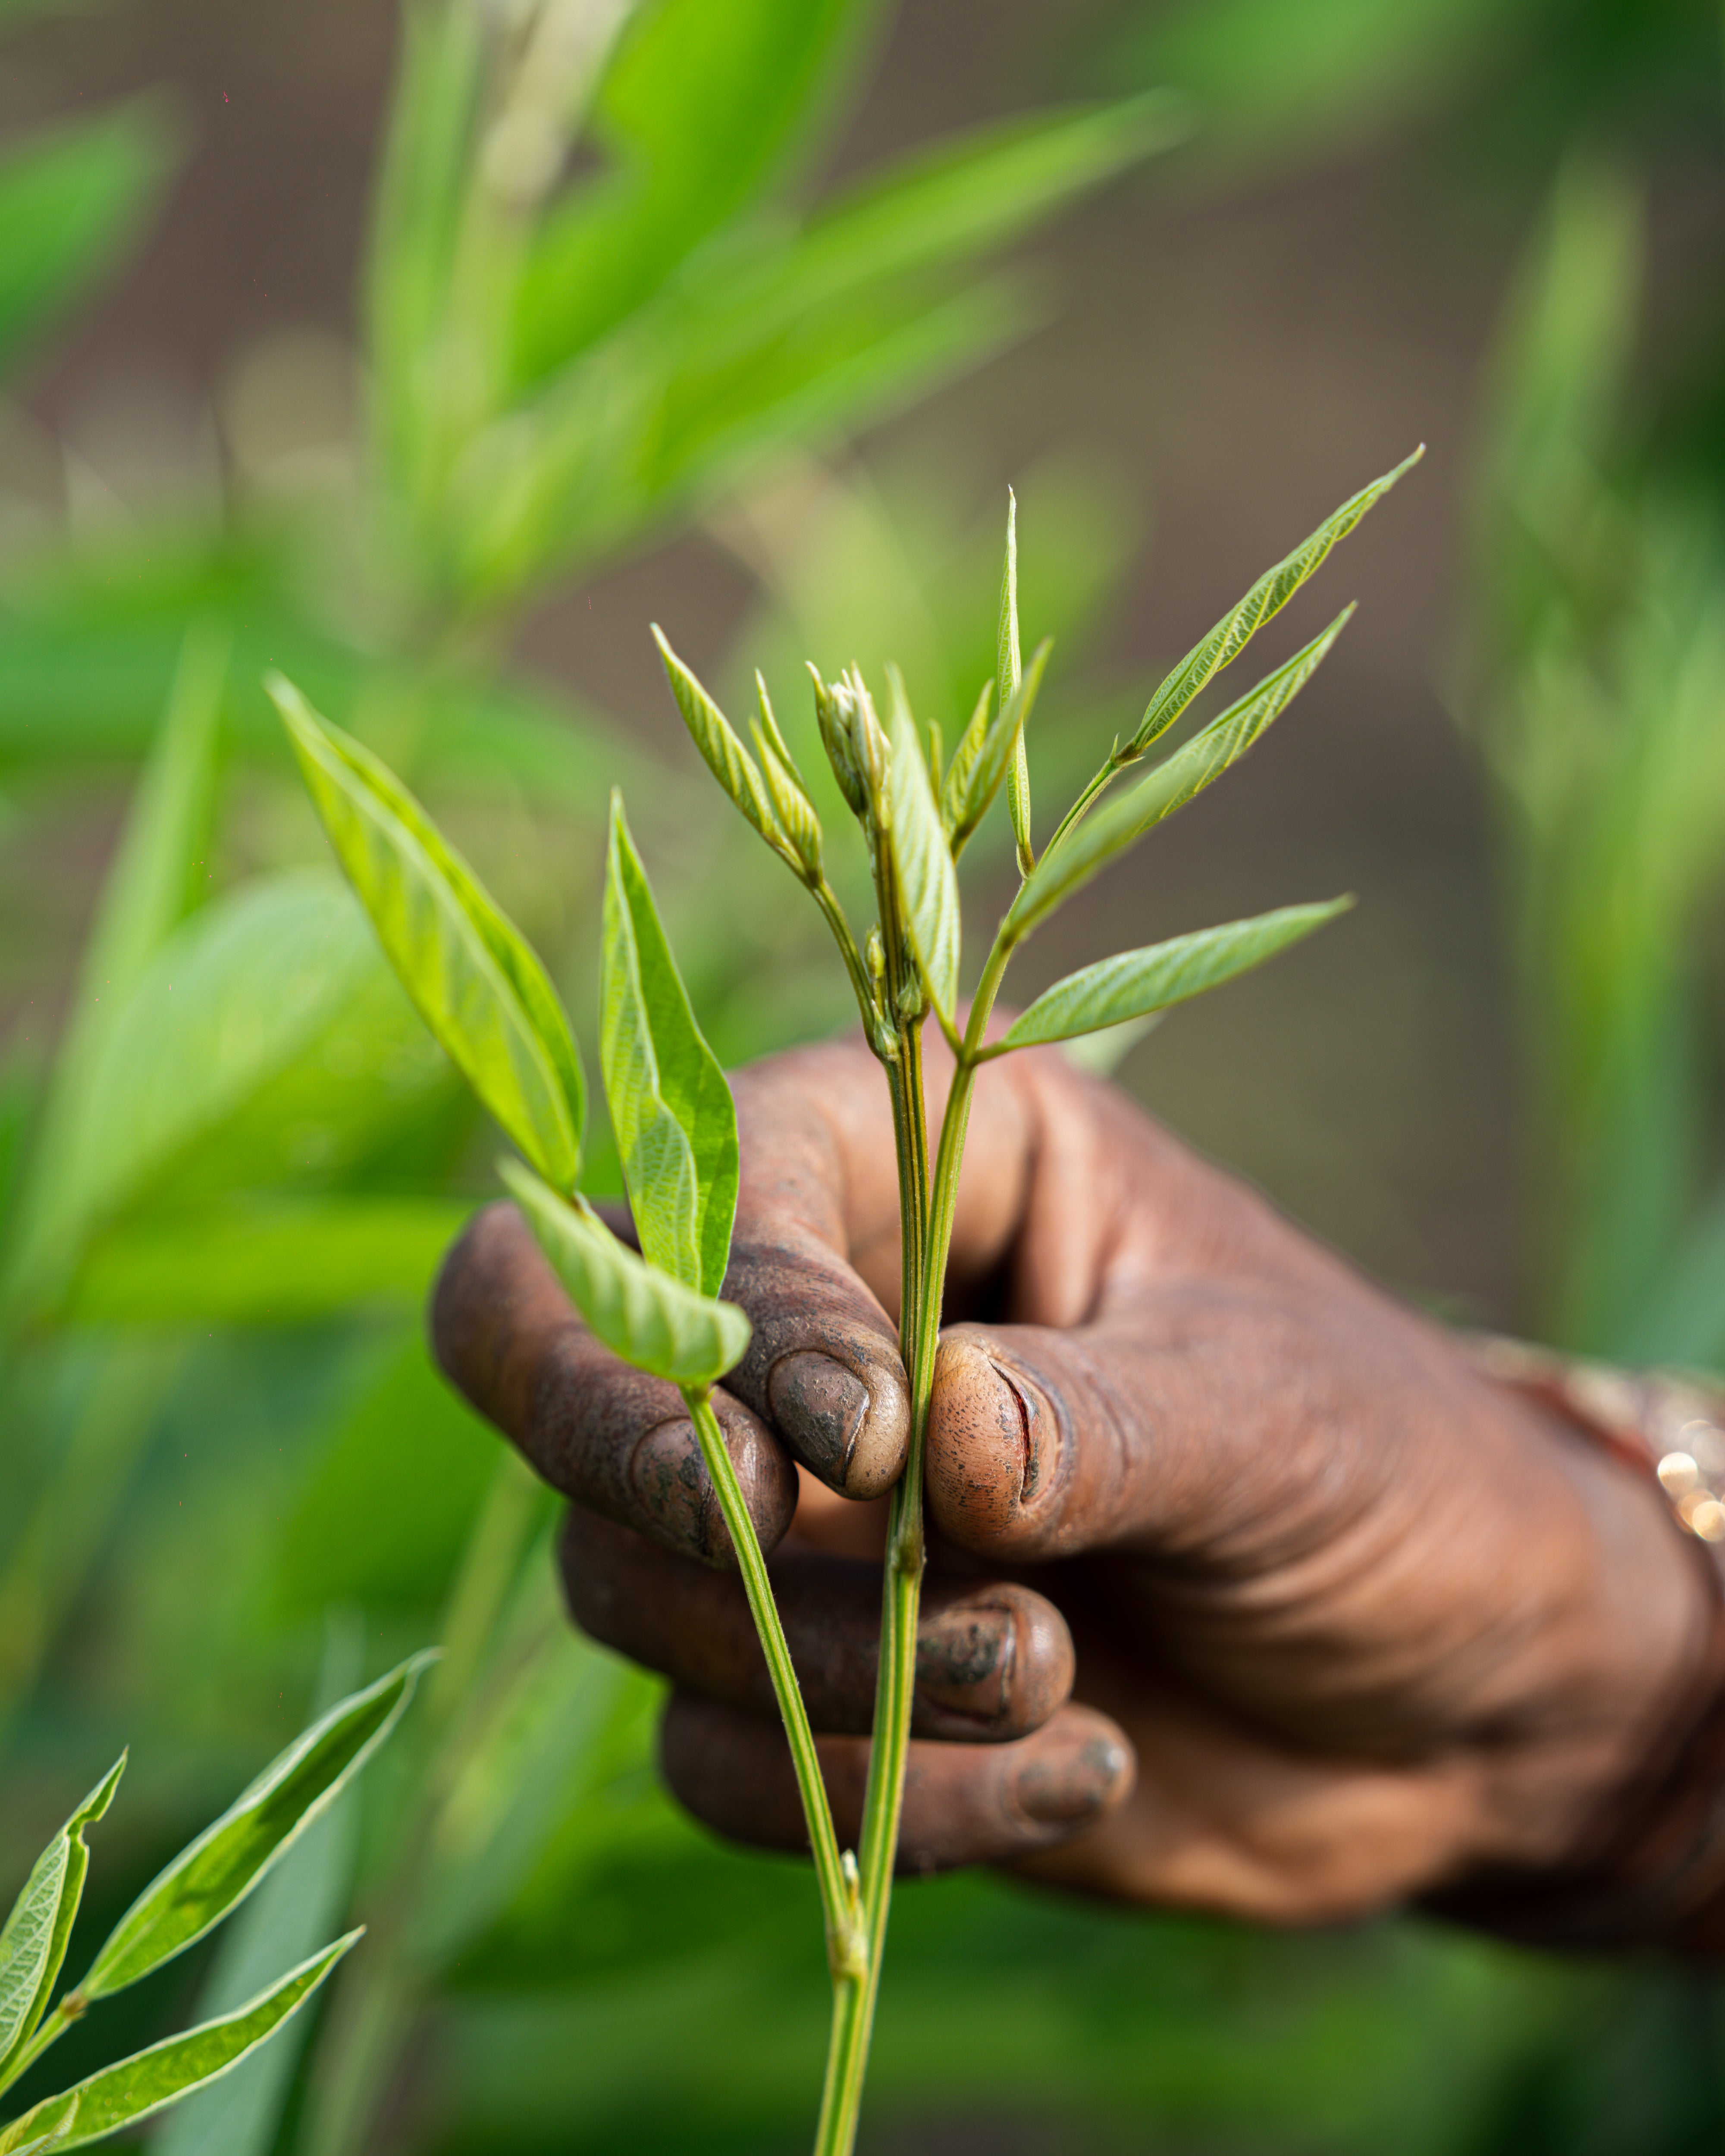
218 1869
791 803
956 785
1267 597
1009 673
645 1317
729 761
1138 983
156 877
1001 745
132 2089
33 1946
927 878
471 974
1076 856
670 1107
781 748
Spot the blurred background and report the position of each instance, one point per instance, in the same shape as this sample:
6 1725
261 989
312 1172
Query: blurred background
428 357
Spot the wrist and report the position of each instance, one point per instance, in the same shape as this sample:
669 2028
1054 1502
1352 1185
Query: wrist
1647 1864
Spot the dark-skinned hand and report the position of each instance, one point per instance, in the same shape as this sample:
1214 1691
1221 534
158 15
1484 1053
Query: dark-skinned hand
1247 1591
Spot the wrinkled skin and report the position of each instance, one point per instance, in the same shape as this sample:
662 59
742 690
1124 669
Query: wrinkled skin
1246 1591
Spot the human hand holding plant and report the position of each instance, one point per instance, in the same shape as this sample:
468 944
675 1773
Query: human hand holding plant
1362 1620
1039 1448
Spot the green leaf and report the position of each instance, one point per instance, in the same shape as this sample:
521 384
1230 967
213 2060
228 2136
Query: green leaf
433 111
729 761
70 203
955 787
694 112
928 883
216 1873
132 2089
268 1024
1009 673
1136 983
159 874
476 984
33 1945
1001 747
1079 852
256 1262
670 1107
297 1908
643 1317
1266 597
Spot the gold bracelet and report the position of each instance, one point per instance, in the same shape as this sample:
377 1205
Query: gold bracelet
1675 1425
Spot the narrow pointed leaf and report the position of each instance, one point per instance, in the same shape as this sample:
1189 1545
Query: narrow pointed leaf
33 1946
1001 746
1085 848
468 970
670 1107
1267 597
1008 672
132 2089
648 1320
217 1872
955 787
791 803
729 761
1138 983
928 879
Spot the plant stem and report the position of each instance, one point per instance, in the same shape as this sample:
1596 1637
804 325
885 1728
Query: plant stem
926 1229
838 1896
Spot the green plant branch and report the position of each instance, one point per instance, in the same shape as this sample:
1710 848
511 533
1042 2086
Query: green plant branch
845 1941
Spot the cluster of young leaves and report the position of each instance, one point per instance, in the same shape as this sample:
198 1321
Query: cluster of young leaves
918 808
194 1893
557 362
486 998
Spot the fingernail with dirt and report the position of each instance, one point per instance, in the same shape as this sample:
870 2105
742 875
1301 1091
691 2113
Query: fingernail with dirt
671 1482
1074 1772
849 1432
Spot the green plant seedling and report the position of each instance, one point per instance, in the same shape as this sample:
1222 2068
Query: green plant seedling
201 1886
659 1309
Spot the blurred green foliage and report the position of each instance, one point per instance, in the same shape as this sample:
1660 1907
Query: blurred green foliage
603 298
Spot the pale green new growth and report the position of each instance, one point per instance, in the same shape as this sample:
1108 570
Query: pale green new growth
1076 852
1138 983
645 1316
926 877
1267 597
671 1108
472 976
1008 672
729 761
971 785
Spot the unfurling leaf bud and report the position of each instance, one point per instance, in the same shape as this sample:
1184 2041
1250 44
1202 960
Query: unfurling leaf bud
794 809
868 743
832 713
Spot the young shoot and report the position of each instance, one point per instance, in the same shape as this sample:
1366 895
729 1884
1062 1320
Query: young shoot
488 1000
201 1887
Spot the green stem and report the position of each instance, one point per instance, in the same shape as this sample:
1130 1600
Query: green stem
838 1895
930 1229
